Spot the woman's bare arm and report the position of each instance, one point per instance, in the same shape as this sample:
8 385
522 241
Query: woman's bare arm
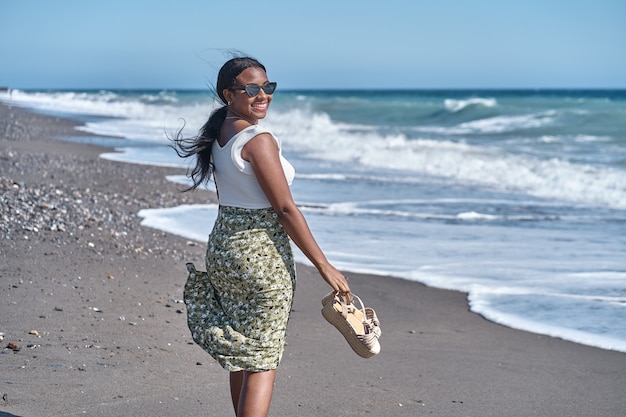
262 154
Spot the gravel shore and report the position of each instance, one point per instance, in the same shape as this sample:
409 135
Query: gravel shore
92 323
54 191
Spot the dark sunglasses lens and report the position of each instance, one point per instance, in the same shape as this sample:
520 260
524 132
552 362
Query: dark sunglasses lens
269 88
253 90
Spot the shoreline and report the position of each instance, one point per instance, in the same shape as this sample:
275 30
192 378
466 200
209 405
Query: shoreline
102 294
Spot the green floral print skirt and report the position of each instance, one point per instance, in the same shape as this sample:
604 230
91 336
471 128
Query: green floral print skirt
238 309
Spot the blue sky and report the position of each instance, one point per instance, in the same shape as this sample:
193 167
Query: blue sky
315 44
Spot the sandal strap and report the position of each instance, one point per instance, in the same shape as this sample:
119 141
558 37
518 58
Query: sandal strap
370 320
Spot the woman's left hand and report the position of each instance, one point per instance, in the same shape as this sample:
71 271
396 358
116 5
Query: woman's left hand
334 278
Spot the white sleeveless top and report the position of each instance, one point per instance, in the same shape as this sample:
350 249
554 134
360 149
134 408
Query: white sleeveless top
235 181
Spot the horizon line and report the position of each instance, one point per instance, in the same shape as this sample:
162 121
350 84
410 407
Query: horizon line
5 88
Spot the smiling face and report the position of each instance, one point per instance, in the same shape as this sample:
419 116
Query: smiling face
241 104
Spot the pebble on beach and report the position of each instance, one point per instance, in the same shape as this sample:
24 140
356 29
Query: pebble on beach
13 346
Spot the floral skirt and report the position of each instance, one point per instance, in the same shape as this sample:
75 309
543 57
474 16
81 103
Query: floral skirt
238 309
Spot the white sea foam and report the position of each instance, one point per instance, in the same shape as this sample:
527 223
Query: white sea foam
591 138
189 221
454 106
156 155
524 309
472 215
103 103
133 119
482 304
501 124
496 124
319 137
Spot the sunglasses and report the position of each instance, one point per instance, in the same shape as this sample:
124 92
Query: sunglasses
253 90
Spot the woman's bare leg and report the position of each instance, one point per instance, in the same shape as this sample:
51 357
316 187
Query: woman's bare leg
255 396
236 381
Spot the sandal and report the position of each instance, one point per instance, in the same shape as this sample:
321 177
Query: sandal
370 314
360 327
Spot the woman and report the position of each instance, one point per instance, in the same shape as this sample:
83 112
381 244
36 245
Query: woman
240 316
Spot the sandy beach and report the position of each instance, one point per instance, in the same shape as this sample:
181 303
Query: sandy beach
93 324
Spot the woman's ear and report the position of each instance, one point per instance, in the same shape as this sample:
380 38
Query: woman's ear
227 95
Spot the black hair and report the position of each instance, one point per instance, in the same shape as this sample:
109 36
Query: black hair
201 144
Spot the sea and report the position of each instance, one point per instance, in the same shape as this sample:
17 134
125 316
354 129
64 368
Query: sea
517 197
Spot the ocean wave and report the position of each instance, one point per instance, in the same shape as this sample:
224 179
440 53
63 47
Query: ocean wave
569 313
586 308
501 124
137 116
162 97
472 215
495 125
449 211
316 135
454 105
